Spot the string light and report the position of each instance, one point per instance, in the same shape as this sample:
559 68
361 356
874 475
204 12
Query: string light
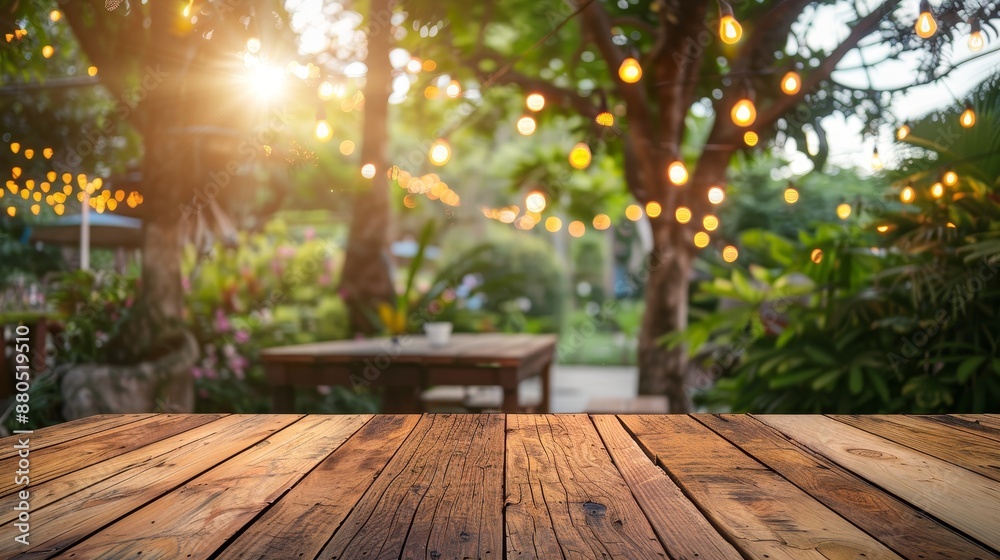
710 223
440 152
414 66
730 30
633 212
791 195
92 71
682 214
876 160
323 130
576 228
653 209
580 156
926 27
677 173
844 211
630 72
535 102
15 147
368 170
602 222
882 228
903 131
816 256
55 15
347 147
535 202
976 42
453 90
186 12
937 190
553 224
907 194
744 112
48 51
950 178
526 125
716 195
968 117
701 240
791 82
750 138
605 118
730 254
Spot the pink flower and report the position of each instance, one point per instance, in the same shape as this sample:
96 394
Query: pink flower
310 233
241 336
197 372
221 321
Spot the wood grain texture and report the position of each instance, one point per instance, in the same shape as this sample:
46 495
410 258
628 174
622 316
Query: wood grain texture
976 453
965 423
565 499
55 461
762 514
439 497
302 521
987 421
196 519
907 531
967 501
68 431
682 529
69 508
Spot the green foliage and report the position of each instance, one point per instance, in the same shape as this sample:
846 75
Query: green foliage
902 321
95 307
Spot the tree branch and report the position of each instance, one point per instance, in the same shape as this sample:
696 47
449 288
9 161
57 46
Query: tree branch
629 21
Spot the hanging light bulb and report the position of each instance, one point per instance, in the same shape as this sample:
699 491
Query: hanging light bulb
630 72
926 27
976 42
677 173
937 190
579 156
323 129
876 160
526 125
950 178
730 30
604 117
682 214
791 82
907 194
791 195
440 152
968 117
750 138
716 195
844 211
535 102
744 112
903 131
535 202
730 254
701 240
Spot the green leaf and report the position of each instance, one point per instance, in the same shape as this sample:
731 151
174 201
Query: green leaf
856 382
826 380
968 367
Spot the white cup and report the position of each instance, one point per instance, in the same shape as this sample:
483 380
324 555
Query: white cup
438 334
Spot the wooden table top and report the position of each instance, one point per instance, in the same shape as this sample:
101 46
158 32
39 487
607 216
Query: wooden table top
509 486
503 349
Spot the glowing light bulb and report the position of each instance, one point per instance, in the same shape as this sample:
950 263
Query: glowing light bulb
368 170
15 147
791 83
682 214
347 147
48 51
535 102
653 209
325 91
253 45
630 72
950 178
710 222
926 27
580 156
937 190
876 160
791 195
526 125
677 173
902 132
716 195
730 30
882 228
976 41
576 228
414 66
907 195
11 211
605 118
553 224
844 211
453 90
602 222
535 202
186 12
968 117
816 256
701 240
750 138
633 212
744 112
440 152
92 71
55 15
323 131
730 254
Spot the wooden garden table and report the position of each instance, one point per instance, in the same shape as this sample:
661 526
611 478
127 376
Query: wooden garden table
508 486
409 365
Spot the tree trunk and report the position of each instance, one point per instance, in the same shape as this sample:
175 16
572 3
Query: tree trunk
663 371
366 278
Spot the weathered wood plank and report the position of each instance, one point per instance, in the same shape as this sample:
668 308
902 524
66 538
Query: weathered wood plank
68 431
764 515
195 520
682 529
976 453
52 462
564 496
301 522
965 500
969 424
984 420
439 496
67 509
907 531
